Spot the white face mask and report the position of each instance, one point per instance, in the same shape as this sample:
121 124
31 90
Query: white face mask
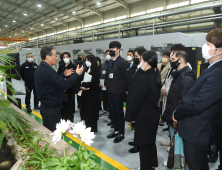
205 51
88 64
66 60
171 55
108 57
129 58
165 60
30 59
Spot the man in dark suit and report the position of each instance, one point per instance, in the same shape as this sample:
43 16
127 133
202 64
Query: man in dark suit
198 109
117 81
132 88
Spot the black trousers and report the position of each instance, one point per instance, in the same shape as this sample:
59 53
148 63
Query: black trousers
105 100
50 116
196 156
148 157
30 86
93 125
116 111
219 144
79 101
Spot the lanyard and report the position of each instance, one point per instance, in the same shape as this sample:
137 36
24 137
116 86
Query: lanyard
114 66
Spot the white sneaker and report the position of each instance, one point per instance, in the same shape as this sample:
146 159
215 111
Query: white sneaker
165 142
168 149
165 163
77 109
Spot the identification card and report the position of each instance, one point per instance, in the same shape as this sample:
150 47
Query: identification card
104 72
111 75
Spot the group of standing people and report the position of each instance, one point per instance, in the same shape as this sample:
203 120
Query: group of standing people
169 89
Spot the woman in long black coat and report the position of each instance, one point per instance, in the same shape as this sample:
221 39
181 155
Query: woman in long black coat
90 95
68 110
145 111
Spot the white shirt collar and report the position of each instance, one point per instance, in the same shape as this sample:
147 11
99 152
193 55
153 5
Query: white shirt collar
115 58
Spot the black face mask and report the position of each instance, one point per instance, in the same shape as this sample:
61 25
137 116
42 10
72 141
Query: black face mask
137 61
175 64
79 58
112 53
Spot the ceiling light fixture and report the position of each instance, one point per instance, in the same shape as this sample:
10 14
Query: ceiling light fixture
39 5
15 34
98 3
74 12
25 14
41 24
56 18
6 25
31 28
22 31
14 21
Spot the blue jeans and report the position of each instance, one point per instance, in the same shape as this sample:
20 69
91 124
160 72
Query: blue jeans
171 129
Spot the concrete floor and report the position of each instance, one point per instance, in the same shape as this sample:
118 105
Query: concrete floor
118 152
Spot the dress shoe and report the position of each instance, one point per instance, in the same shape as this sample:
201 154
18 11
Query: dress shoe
131 143
166 129
112 135
135 149
119 138
213 157
112 126
110 123
28 109
37 107
161 123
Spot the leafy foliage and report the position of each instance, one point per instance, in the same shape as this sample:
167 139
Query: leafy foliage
3 126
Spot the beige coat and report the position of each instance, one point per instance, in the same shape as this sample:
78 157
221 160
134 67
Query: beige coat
163 74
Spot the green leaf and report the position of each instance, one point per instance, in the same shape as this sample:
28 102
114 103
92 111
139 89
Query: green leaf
12 98
12 89
23 167
10 83
51 162
10 75
6 67
1 138
3 125
5 103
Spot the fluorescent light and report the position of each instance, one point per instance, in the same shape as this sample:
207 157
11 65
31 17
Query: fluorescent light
39 5
22 31
141 13
74 12
197 1
31 28
25 14
41 24
14 21
15 34
56 18
172 6
6 25
98 3
133 15
183 3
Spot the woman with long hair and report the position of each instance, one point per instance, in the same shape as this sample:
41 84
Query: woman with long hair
144 112
68 110
90 95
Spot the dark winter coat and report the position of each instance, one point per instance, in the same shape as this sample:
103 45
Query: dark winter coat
90 98
68 106
80 63
133 68
121 76
50 86
145 109
182 80
27 71
131 91
200 107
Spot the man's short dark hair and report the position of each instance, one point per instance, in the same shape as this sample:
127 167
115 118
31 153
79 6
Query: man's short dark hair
46 50
182 54
131 51
28 54
178 47
167 53
140 50
106 51
114 44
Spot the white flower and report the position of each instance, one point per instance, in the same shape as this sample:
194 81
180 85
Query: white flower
61 128
80 131
87 136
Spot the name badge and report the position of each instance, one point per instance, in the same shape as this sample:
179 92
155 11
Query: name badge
35 66
111 75
27 67
104 72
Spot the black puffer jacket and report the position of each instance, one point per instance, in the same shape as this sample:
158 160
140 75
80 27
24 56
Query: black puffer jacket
182 80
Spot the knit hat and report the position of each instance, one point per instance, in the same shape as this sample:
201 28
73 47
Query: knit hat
81 53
